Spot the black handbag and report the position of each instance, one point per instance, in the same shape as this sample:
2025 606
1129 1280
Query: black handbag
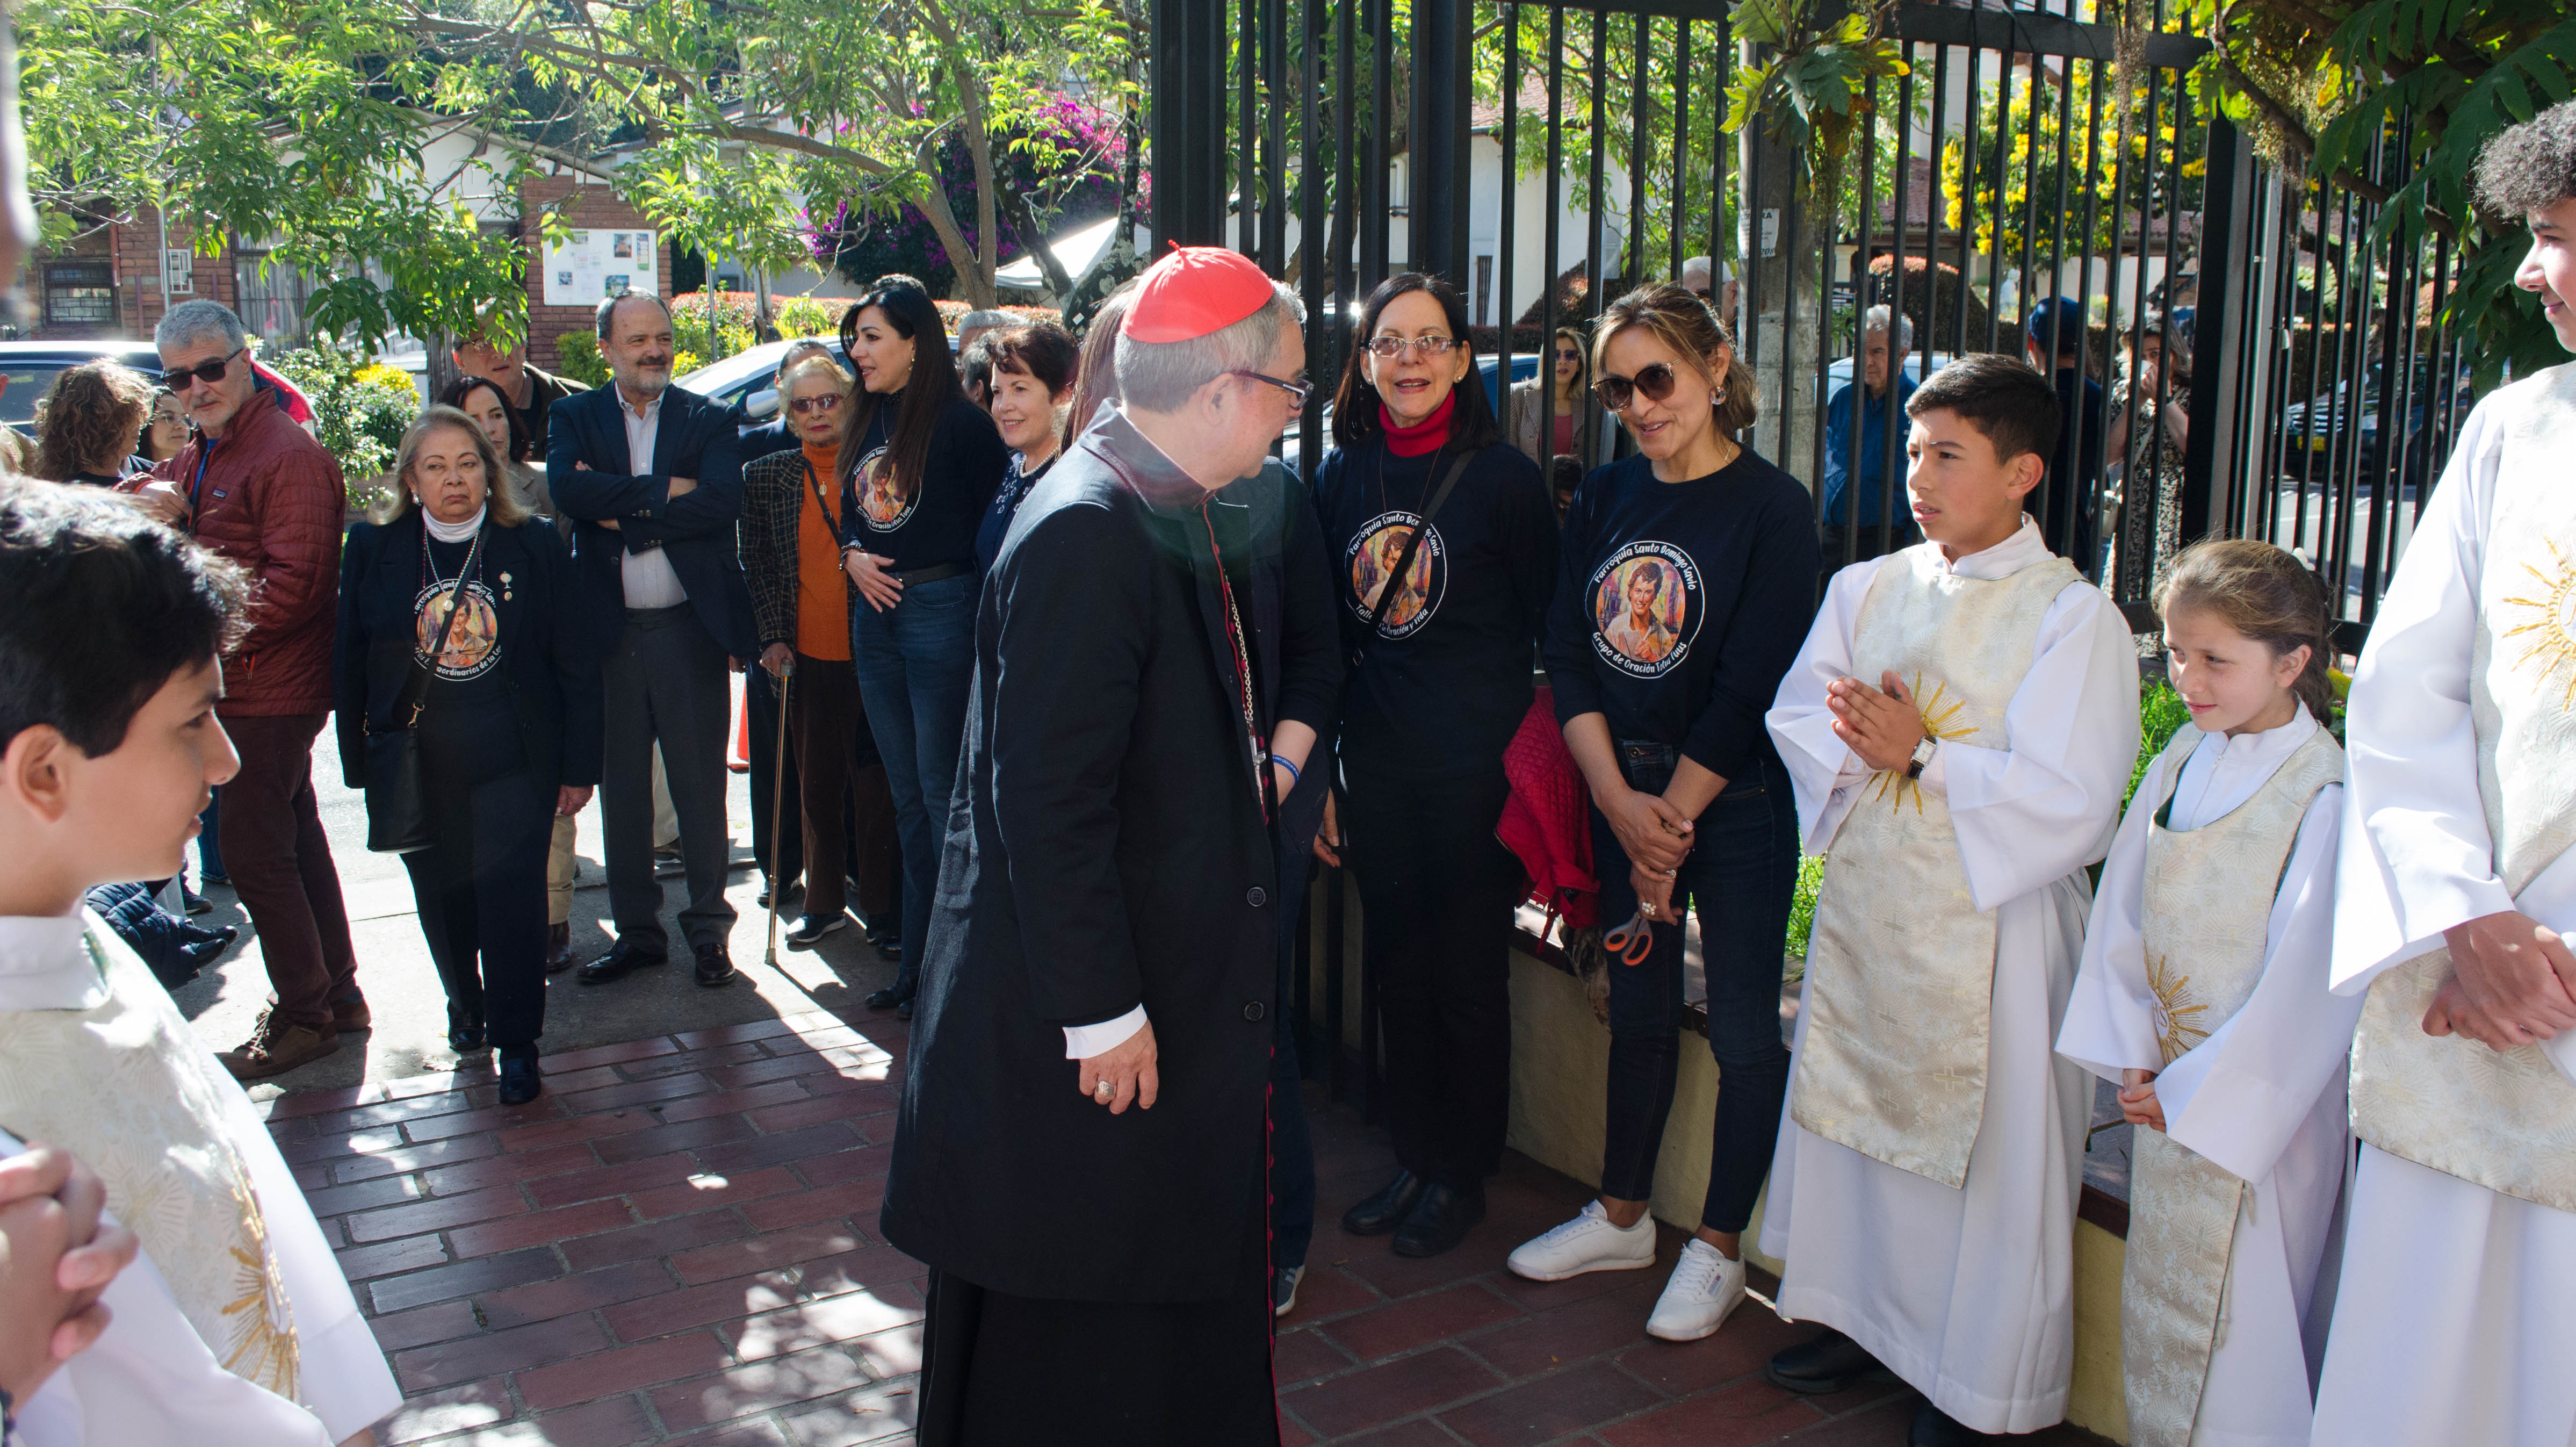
397 798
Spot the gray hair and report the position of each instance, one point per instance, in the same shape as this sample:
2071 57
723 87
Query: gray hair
1881 319
608 309
1160 376
193 321
972 320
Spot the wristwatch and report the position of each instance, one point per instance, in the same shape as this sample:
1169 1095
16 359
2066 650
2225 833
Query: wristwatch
1922 756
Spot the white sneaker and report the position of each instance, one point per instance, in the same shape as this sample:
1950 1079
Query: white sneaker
1704 1289
1589 1242
1283 1294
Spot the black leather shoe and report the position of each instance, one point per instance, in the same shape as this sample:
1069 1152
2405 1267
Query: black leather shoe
903 1011
1828 1363
1387 1209
521 1081
620 961
1935 1428
558 948
889 997
465 1037
715 967
1439 1220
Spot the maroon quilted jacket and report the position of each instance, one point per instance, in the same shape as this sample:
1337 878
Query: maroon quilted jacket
272 500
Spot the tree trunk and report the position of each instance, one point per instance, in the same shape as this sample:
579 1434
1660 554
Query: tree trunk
1024 219
943 221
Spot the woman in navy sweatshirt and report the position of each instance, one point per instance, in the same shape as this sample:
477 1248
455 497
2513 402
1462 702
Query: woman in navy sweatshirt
1688 580
1441 685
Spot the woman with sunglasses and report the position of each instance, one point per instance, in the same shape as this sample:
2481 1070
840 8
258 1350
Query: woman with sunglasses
1554 418
1444 640
1689 574
917 468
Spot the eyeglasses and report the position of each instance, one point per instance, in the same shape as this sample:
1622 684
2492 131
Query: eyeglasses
180 379
1387 349
1655 380
1297 390
824 403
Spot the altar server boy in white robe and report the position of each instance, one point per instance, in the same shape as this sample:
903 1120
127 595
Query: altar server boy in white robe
2455 1320
234 1327
1959 728
2203 995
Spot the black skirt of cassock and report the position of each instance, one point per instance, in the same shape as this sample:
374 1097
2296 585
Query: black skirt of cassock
999 1370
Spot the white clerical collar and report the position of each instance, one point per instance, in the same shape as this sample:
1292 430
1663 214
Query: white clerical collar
45 965
2265 749
2004 559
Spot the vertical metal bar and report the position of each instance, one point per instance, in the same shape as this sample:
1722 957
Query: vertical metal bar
2397 335
1437 191
1934 210
1680 207
1505 225
1596 228
2218 378
1378 217
1717 169
1789 328
2137 565
2173 240
1863 227
2445 392
1346 164
2003 166
1549 290
1902 178
1971 165
1634 270
2316 241
1247 55
2092 566
1313 174
1189 85
1274 139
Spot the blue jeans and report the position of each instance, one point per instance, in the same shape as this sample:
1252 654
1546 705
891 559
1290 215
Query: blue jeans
916 662
1740 876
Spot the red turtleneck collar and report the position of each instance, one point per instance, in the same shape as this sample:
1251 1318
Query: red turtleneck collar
1427 435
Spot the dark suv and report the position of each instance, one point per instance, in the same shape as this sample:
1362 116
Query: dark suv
29 367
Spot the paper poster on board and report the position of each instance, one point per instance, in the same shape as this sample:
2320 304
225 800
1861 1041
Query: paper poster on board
591 266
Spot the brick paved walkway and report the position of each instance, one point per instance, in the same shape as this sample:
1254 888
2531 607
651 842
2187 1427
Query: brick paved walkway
676 1243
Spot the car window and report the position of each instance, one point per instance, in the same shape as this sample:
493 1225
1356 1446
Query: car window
29 380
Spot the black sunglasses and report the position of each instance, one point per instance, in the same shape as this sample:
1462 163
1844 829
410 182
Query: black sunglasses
1655 380
179 379
823 403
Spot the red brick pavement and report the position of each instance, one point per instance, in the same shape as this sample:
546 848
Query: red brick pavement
677 1244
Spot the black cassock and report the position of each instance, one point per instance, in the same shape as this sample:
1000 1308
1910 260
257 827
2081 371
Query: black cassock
1097 1278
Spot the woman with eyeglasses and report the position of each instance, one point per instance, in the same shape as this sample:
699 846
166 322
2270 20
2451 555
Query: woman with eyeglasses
792 526
1688 581
1444 628
917 469
1553 417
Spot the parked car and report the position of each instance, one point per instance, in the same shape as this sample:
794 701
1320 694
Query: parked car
28 369
743 380
2313 432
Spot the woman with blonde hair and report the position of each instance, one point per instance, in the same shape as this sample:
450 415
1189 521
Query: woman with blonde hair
449 577
89 422
1552 416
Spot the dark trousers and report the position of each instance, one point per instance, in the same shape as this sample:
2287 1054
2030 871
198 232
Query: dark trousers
665 681
786 825
281 866
1739 877
916 662
1292 1150
482 895
846 800
1436 897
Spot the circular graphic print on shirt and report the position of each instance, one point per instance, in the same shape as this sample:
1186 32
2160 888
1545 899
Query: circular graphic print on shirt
882 504
1645 608
475 648
1370 561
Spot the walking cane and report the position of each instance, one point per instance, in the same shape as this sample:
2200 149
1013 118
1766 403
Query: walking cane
777 811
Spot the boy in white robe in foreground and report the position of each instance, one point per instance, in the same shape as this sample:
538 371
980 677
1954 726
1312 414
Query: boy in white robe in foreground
234 1327
2203 995
1959 727
2455 1318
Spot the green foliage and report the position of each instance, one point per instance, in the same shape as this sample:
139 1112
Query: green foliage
579 355
2161 712
2343 87
360 409
807 316
1802 905
1813 90
2113 167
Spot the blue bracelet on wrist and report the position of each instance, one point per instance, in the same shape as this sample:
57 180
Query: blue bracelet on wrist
1295 776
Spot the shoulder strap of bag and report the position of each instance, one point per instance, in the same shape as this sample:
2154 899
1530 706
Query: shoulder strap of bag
415 690
1404 560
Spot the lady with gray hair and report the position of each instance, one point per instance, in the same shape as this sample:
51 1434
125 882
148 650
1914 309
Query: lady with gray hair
451 576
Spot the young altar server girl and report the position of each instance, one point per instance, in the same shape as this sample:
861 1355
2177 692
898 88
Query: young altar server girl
2203 994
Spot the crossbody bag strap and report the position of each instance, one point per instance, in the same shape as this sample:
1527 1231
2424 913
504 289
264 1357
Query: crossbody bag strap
1404 560
415 690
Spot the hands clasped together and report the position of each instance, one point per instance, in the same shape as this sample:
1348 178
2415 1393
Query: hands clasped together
2513 982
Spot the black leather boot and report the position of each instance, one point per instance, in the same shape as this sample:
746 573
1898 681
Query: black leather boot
1440 1220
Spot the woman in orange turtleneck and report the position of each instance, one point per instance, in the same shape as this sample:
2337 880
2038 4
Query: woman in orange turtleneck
792 536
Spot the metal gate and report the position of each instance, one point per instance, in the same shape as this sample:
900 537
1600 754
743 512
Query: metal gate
1545 156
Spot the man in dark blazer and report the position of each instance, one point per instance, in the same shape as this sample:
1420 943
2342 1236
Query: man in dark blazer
648 472
1079 1155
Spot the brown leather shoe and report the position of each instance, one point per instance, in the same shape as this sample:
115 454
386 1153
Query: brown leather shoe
559 956
350 1012
275 1048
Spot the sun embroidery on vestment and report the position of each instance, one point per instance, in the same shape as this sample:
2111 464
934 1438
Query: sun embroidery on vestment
1940 721
262 1346
2176 1011
2555 647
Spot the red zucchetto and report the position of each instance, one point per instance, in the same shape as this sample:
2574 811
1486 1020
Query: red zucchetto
1193 291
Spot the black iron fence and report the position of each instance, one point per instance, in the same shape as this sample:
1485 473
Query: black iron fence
2245 353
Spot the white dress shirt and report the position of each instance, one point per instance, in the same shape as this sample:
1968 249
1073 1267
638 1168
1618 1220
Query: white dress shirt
650 583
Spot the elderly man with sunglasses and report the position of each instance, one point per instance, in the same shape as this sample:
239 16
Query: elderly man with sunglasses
255 488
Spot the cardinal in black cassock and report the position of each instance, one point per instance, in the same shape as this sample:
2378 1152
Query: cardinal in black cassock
1080 1156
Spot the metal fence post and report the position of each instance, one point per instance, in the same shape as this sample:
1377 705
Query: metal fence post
1188 132
2223 308
1443 83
